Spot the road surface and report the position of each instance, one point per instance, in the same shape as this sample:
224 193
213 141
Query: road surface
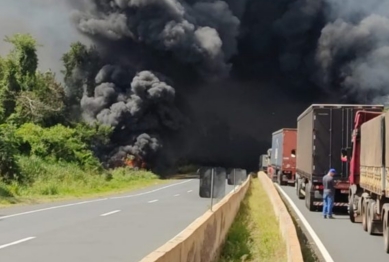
120 228
344 241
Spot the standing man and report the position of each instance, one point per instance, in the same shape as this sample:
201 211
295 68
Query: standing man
328 193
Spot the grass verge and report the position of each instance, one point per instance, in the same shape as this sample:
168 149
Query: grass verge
60 181
254 235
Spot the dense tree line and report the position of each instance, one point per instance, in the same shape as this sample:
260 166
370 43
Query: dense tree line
39 116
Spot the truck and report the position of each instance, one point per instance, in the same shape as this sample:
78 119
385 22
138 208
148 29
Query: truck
283 156
263 159
369 174
324 139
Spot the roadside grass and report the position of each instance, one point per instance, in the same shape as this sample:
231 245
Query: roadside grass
60 181
254 235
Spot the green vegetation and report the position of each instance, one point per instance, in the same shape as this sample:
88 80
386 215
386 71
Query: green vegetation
255 234
46 150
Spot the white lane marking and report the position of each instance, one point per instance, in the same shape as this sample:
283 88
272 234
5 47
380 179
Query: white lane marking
90 201
152 191
153 201
50 208
110 213
176 195
190 191
323 250
17 242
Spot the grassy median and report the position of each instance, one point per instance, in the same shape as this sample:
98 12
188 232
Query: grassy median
254 235
56 181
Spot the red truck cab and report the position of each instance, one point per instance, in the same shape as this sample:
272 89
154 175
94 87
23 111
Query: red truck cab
360 118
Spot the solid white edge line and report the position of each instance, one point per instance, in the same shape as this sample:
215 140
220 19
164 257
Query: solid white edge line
90 201
17 242
153 201
51 208
152 191
310 230
110 213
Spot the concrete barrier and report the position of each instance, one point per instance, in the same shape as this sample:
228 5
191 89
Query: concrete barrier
288 230
201 241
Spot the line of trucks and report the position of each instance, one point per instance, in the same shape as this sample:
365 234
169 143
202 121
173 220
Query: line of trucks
353 139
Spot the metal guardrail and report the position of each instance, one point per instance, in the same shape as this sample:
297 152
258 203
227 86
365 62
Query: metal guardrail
213 181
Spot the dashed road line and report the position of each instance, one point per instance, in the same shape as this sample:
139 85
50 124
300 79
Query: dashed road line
190 191
110 213
153 201
152 191
51 208
16 242
176 195
91 201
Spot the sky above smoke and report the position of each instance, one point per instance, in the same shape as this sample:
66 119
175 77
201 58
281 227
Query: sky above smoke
210 80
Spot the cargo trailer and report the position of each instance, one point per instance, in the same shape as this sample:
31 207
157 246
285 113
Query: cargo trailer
283 156
324 139
369 174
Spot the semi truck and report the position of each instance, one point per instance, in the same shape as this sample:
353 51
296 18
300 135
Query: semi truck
324 139
283 156
369 174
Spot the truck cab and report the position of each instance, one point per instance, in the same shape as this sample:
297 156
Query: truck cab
353 154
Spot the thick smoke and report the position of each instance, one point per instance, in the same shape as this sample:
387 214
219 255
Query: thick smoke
203 33
268 61
322 51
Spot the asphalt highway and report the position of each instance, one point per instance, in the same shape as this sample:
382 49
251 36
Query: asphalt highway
344 241
118 228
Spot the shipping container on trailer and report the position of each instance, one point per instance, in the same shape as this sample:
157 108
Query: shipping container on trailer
324 139
283 156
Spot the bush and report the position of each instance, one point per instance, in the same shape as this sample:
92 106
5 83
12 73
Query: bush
9 169
57 143
68 179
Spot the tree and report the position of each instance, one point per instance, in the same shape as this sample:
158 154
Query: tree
26 94
81 66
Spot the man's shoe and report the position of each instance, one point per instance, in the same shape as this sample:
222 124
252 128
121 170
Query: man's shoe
325 217
331 217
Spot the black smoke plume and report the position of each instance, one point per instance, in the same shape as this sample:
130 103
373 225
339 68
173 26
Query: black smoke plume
241 69
210 80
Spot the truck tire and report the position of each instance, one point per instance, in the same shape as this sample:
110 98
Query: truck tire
278 178
351 209
370 216
364 214
308 198
385 228
298 189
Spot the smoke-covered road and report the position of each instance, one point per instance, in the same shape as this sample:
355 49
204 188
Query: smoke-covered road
123 228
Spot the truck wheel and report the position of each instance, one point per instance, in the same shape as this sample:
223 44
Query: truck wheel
370 216
298 189
279 178
308 198
364 215
351 209
386 232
